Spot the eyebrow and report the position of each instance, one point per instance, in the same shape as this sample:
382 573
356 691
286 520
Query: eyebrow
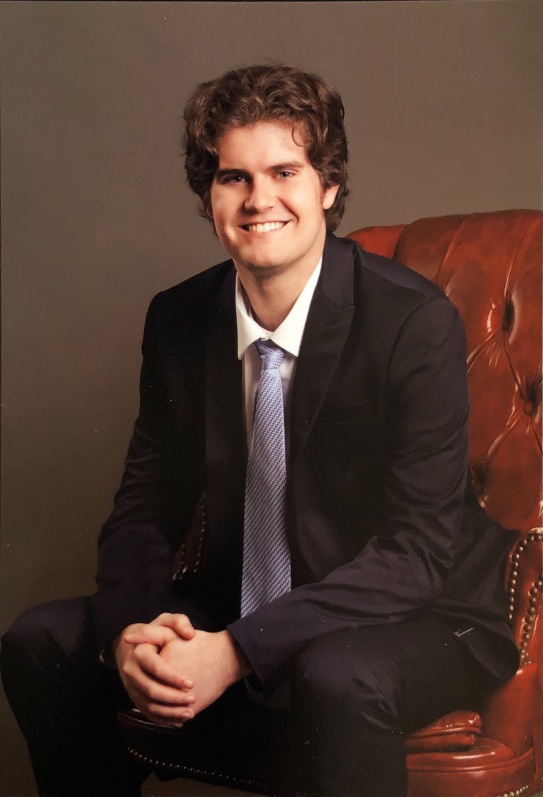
281 167
276 167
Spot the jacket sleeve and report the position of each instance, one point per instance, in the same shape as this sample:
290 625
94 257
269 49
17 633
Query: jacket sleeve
418 530
138 541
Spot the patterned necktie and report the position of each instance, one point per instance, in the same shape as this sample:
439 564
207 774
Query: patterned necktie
266 557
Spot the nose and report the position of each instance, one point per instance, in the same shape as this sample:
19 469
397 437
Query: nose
261 195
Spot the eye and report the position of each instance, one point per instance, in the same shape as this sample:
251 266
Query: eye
285 173
233 178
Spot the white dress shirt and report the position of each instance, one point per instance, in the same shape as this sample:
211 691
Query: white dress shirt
288 335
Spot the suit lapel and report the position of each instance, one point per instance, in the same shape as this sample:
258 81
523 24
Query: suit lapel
326 330
225 430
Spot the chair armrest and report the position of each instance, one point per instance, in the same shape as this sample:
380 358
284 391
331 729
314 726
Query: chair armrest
455 731
512 714
524 587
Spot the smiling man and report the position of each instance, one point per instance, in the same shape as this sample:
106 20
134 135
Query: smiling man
312 399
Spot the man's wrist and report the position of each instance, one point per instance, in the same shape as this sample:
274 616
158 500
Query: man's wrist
239 662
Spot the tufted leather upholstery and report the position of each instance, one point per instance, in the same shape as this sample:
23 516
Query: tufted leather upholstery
489 264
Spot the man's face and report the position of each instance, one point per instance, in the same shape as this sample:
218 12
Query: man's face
267 201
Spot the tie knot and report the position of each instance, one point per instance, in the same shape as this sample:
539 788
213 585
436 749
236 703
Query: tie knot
272 354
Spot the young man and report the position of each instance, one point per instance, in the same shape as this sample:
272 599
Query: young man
316 397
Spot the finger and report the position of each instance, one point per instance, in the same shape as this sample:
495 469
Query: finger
161 713
156 716
154 634
158 708
135 674
179 623
146 691
159 672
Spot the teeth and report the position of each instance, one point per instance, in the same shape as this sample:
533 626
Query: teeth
269 226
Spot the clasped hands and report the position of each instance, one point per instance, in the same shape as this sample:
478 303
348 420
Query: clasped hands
171 671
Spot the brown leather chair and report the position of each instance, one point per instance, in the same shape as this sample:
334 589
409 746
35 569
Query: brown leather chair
489 264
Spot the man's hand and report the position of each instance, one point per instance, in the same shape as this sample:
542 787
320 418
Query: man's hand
156 688
212 662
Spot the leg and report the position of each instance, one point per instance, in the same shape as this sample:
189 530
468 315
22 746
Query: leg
358 691
65 702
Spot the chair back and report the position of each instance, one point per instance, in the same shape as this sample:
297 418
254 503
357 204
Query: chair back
489 265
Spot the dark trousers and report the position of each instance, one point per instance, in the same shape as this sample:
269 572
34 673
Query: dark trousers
355 694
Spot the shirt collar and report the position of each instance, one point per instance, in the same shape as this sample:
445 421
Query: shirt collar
289 333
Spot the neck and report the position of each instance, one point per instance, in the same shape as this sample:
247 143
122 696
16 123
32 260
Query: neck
272 297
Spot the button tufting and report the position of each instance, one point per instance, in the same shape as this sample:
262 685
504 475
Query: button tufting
508 315
532 398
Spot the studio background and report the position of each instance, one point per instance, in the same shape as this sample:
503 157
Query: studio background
443 116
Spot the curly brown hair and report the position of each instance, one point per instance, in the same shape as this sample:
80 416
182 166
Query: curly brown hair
266 92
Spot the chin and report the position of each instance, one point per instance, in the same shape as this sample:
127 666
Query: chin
263 270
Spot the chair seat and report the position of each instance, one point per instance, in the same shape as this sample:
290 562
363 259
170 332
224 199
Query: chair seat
447 758
452 744
457 731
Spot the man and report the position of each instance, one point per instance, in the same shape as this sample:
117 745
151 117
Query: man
315 396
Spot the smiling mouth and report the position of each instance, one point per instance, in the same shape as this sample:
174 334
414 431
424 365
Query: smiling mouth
268 226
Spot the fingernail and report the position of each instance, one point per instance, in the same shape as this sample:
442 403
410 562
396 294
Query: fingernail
187 715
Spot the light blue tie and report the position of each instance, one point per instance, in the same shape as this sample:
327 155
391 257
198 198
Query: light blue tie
266 557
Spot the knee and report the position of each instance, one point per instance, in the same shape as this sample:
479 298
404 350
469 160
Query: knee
25 634
20 655
24 643
45 636
335 677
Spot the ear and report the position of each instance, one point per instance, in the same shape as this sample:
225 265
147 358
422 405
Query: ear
329 196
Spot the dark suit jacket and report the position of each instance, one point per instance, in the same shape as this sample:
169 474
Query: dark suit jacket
381 523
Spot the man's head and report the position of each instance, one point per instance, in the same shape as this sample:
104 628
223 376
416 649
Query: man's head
271 93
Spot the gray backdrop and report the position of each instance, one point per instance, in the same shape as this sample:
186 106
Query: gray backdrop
443 116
